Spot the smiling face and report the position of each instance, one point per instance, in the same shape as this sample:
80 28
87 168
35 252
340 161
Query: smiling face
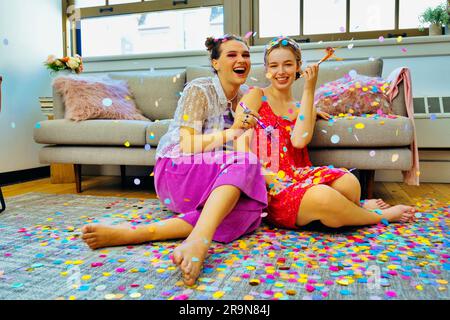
283 66
233 65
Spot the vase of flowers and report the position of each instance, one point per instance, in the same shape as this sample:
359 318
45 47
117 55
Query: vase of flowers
437 18
65 65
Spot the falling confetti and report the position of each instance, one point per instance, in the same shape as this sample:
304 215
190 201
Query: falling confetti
248 35
107 102
395 157
335 139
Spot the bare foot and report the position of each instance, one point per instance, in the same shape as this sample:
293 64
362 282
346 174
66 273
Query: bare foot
372 204
99 236
399 213
189 257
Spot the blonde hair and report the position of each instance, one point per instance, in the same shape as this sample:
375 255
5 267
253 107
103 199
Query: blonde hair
284 42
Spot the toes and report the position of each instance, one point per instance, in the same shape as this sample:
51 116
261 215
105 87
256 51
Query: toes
87 236
177 258
189 282
186 266
92 244
88 229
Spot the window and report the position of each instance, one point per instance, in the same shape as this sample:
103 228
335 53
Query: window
324 16
279 20
89 3
333 20
139 27
411 9
369 15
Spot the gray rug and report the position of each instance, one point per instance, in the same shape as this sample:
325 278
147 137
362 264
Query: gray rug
42 257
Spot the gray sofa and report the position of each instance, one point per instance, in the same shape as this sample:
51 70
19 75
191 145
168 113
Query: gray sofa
102 142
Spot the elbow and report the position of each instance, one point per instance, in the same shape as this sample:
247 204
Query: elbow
299 144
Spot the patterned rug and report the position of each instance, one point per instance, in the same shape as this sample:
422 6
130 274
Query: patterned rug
42 257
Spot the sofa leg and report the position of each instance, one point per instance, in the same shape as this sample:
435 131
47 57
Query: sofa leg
367 178
77 169
123 176
2 201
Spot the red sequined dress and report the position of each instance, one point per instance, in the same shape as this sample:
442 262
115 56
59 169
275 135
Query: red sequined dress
294 174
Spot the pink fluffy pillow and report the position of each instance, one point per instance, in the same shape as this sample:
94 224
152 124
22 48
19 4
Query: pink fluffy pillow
103 98
354 93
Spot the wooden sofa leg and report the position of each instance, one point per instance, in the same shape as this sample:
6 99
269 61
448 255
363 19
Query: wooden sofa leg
370 183
2 201
123 175
367 179
77 169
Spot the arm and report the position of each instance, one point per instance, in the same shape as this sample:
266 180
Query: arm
195 104
253 101
304 129
192 141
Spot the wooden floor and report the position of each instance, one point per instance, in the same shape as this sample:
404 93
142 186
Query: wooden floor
391 192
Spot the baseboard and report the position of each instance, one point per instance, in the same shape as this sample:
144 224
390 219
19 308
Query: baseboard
14 177
430 172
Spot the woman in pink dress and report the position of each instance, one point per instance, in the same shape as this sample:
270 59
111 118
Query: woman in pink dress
298 192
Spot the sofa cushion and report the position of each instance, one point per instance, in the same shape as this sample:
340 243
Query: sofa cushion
364 159
98 155
92 132
377 132
156 130
96 98
156 93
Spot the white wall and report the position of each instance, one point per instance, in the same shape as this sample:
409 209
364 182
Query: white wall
32 30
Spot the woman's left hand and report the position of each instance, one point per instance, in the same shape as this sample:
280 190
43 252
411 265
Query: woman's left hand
310 75
323 115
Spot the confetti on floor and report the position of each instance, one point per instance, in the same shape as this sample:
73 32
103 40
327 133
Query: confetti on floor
43 257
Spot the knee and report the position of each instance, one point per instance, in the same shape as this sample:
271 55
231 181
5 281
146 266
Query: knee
322 196
350 182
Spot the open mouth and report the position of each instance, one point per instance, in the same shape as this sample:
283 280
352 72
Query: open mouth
282 79
240 70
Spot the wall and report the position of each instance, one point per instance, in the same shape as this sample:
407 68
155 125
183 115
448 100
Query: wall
30 30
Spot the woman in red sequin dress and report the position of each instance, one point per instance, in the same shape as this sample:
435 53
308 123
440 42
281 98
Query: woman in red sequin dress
300 193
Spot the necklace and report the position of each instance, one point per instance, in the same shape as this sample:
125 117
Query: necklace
230 102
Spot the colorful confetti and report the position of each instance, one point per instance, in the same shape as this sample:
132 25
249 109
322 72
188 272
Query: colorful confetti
412 260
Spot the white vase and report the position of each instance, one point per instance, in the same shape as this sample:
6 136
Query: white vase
435 29
61 73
